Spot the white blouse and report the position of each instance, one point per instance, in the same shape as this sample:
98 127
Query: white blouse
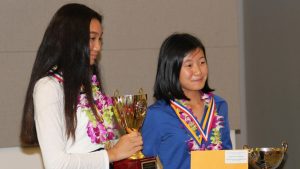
58 152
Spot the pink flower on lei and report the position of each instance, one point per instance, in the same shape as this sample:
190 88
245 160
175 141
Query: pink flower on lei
98 133
192 145
103 130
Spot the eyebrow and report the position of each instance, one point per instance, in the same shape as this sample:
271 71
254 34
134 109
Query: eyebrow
94 33
97 33
188 60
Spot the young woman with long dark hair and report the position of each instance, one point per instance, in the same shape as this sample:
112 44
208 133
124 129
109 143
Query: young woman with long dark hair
66 112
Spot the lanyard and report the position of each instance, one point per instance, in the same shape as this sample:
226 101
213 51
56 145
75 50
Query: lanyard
206 125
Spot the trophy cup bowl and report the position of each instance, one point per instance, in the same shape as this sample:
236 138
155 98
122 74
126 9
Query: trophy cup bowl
266 157
130 112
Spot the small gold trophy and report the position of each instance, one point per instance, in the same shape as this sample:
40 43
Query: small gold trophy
130 112
266 158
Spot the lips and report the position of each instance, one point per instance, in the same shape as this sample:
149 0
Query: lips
93 55
197 79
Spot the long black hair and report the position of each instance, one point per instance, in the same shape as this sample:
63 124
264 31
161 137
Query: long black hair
172 52
65 45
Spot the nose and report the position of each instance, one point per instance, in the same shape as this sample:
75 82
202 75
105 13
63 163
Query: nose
97 46
197 70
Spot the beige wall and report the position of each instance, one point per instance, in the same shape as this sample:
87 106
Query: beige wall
133 33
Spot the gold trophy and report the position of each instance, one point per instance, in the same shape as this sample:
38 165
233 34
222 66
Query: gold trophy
266 158
130 111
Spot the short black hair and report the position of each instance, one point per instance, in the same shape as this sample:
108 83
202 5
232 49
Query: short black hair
172 52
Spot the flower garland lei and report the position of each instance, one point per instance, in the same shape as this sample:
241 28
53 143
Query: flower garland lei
99 131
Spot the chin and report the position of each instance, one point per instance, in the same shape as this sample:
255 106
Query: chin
92 62
199 87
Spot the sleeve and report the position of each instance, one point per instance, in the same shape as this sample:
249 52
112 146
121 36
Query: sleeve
225 134
150 133
50 126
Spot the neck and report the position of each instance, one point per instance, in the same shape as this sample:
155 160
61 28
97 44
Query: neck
195 103
194 96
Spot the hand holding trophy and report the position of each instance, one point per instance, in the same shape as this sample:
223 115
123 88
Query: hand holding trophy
266 158
130 111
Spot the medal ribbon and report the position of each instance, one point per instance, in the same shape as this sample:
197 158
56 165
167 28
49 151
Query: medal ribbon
56 76
207 122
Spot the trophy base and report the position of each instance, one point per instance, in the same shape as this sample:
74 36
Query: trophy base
144 163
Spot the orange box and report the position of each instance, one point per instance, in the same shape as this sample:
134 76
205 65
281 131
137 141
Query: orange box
219 159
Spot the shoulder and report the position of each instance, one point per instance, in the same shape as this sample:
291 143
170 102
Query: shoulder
159 109
221 104
219 99
48 99
159 105
47 83
47 88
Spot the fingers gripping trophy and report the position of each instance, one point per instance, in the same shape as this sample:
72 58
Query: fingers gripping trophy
130 111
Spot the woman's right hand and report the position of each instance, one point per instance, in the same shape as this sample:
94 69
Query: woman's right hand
127 145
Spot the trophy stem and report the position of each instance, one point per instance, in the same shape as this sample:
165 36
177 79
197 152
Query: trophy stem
130 130
137 155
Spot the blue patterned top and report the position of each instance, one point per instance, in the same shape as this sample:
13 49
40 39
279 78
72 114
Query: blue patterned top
164 135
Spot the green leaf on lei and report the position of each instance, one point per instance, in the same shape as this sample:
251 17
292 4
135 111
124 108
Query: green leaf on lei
91 117
216 136
107 114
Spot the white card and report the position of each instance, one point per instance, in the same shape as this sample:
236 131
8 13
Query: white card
236 156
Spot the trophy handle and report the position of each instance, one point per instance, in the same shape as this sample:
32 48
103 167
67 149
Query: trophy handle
116 93
141 91
142 94
246 147
284 146
251 152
